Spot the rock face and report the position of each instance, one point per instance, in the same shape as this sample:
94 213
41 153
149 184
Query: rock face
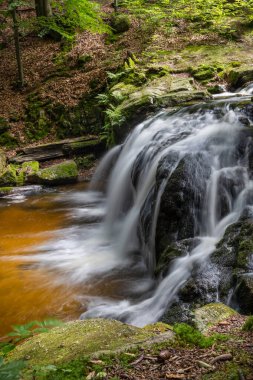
240 76
65 172
136 103
16 175
82 338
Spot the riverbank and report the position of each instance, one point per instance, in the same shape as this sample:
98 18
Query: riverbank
107 349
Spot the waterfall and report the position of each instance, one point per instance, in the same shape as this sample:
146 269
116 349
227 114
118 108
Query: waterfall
121 211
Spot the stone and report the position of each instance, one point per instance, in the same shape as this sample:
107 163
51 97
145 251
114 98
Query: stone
63 173
244 293
239 76
82 338
10 176
211 314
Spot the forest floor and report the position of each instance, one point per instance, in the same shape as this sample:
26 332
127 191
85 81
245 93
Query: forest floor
231 359
55 73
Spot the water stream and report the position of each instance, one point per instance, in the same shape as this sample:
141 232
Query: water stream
105 240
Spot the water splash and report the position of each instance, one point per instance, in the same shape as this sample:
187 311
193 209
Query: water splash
108 240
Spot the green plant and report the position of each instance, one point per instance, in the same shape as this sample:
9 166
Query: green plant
11 371
70 16
248 325
21 332
187 334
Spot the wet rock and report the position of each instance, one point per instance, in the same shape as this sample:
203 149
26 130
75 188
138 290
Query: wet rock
244 293
180 206
239 76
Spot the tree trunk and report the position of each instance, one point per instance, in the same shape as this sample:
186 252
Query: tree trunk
116 4
17 48
43 8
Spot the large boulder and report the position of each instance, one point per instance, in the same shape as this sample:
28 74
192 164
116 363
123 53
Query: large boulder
239 76
136 103
16 175
211 314
58 174
85 338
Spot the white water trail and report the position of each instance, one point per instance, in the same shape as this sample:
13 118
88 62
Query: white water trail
110 241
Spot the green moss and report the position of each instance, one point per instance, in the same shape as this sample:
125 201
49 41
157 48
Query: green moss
2 161
7 140
77 339
65 172
10 176
120 23
85 162
186 334
248 325
5 190
212 314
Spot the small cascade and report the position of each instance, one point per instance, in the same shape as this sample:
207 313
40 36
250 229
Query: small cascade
194 164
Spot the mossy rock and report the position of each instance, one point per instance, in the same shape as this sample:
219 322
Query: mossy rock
81 338
10 176
5 190
29 168
2 161
63 173
239 76
211 314
203 72
120 23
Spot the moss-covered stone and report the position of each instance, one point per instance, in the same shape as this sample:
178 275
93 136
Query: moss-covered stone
244 293
77 339
65 172
10 176
203 72
211 314
5 190
238 77
29 168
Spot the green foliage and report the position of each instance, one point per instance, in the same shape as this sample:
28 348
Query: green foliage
11 371
71 16
248 325
187 334
220 16
21 332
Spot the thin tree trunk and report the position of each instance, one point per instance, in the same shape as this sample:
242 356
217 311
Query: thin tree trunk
47 8
17 48
116 4
43 8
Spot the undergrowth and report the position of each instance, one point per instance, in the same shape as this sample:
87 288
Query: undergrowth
186 334
248 325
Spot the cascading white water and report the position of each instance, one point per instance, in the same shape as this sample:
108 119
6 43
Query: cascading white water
108 241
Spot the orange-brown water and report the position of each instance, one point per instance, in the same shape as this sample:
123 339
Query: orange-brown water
27 293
